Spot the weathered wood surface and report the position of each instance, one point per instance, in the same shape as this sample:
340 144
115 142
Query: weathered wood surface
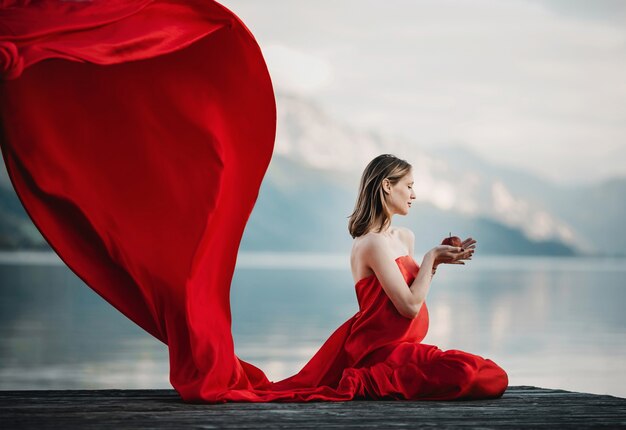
521 406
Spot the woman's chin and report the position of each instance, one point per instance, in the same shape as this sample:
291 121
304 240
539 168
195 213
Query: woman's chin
402 212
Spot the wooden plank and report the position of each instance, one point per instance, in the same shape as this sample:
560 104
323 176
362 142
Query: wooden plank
521 406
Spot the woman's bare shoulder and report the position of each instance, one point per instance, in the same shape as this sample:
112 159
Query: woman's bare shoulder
363 242
360 256
365 245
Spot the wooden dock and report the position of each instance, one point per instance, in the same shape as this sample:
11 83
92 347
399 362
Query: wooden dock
521 406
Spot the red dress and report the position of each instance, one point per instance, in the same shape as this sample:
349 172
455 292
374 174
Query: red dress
136 134
377 354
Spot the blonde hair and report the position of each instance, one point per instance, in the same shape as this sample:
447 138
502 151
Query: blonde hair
371 206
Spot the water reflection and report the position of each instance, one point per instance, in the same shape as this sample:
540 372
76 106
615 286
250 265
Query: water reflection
548 322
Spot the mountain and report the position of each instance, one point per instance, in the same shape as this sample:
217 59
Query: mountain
592 214
302 208
310 188
308 136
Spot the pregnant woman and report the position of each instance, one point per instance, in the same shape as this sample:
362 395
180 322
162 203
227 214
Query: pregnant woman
377 354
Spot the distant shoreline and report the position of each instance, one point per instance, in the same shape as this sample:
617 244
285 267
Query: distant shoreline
328 260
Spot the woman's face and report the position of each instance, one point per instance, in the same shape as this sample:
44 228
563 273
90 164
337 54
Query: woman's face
401 194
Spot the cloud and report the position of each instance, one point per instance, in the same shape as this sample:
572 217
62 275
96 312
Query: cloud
528 84
296 71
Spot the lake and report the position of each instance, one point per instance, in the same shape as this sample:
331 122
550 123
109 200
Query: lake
556 322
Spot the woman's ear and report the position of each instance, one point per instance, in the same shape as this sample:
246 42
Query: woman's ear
386 186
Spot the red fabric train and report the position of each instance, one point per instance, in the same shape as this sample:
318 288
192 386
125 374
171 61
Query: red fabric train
136 135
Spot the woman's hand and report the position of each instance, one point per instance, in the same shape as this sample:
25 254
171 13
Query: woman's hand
447 254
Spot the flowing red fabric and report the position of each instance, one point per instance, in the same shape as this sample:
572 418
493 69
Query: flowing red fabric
136 135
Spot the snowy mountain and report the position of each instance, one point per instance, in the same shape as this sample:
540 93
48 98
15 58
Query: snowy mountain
452 180
303 208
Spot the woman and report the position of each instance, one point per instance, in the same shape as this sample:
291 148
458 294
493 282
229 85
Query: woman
377 353
387 189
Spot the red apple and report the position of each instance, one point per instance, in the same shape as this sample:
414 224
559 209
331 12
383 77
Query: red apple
452 241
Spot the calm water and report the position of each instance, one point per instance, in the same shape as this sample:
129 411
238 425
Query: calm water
549 322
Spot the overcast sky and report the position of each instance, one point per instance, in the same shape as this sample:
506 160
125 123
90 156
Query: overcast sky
530 83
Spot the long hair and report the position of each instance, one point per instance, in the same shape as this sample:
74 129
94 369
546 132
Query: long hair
371 210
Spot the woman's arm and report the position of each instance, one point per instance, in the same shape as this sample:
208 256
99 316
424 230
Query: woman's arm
381 260
408 301
421 284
